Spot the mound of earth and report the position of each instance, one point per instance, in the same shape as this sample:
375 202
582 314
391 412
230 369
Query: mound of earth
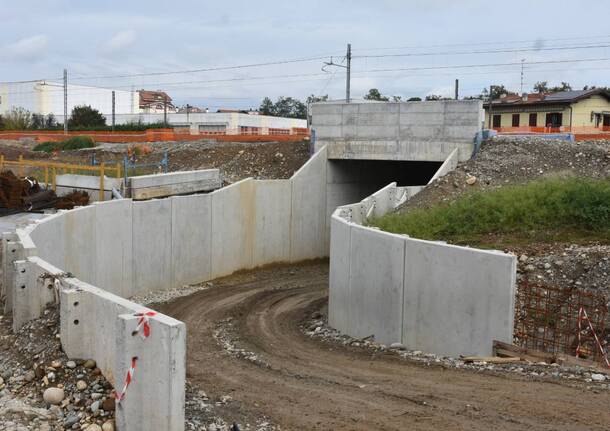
506 160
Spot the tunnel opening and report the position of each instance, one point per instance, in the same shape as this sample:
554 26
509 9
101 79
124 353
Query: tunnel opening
351 180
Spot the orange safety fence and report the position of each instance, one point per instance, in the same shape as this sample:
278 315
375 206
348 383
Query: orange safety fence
563 129
179 134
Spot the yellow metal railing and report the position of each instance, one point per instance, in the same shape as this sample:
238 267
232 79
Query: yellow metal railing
52 169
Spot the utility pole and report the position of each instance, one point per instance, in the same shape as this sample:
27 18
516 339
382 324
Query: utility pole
187 112
490 124
348 67
165 111
522 63
113 110
349 70
457 87
65 101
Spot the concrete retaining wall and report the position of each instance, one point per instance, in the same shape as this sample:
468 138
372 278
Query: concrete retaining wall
427 131
90 258
427 295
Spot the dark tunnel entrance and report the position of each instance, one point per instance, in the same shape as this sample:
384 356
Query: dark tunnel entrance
350 180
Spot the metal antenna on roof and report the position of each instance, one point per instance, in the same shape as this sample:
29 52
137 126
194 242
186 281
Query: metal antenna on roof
522 63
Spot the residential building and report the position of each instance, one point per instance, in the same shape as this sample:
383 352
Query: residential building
561 111
151 102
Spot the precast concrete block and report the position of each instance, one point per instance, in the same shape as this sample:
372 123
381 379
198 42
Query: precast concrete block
152 245
233 228
272 201
339 271
191 239
114 246
77 328
80 253
33 289
457 300
308 238
376 284
51 240
155 399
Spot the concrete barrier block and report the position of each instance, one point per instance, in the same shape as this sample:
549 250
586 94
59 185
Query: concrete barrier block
88 183
114 247
155 398
339 271
233 224
308 239
152 245
50 239
76 325
272 211
457 300
174 183
80 253
191 239
33 289
376 284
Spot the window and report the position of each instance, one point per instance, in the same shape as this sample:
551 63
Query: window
606 120
515 120
497 121
533 120
554 119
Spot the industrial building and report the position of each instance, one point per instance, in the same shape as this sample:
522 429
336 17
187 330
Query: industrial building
138 106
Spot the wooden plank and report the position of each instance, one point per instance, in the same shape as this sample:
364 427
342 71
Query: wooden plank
491 359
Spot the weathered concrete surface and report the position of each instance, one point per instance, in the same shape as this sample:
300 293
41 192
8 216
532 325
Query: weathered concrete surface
99 325
67 183
397 131
174 183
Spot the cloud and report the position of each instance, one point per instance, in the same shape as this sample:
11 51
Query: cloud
29 48
120 41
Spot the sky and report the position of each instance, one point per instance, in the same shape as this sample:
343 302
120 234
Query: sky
405 48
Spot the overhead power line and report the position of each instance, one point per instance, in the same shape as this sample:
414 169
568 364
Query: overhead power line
495 51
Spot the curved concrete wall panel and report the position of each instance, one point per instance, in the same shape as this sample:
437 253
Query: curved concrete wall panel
428 295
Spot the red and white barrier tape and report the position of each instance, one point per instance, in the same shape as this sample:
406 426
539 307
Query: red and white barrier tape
582 315
128 378
143 329
143 323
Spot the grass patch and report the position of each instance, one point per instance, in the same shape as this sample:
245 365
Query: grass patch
554 209
73 143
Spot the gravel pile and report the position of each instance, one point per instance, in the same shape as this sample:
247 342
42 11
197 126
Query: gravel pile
581 267
41 389
317 327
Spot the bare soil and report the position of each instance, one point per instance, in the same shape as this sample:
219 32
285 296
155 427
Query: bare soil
236 160
300 382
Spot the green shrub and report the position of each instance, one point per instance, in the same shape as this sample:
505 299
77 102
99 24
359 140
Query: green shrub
541 208
17 119
73 143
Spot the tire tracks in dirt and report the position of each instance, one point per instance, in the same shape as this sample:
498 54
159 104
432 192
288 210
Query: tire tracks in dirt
307 384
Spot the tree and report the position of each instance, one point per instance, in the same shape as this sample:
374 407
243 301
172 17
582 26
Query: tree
563 87
396 98
434 97
50 122
86 116
374 94
541 87
497 91
314 99
17 119
283 107
266 107
414 99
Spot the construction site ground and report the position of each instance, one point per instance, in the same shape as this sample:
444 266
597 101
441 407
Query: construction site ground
267 160
253 350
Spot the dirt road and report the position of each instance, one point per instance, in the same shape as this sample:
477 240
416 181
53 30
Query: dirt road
304 384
